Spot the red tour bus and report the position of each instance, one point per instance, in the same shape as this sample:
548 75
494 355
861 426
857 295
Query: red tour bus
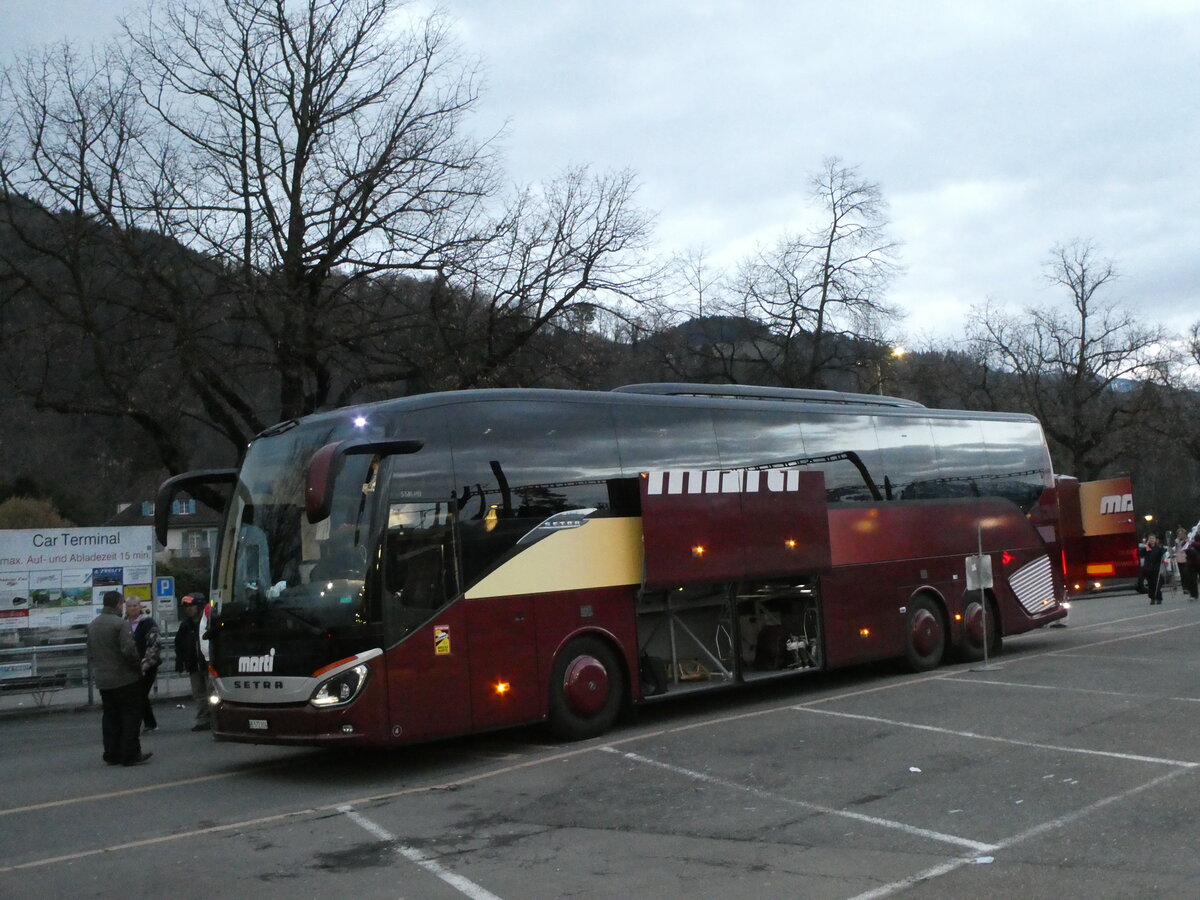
451 563
1097 532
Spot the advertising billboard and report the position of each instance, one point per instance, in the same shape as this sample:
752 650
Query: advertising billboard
55 577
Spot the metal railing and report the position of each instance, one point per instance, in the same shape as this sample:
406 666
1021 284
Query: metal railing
69 664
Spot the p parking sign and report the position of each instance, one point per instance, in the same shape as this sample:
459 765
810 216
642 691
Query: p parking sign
164 587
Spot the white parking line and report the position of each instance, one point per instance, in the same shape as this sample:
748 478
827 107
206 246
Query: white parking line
126 792
463 885
1070 690
972 735
977 846
951 865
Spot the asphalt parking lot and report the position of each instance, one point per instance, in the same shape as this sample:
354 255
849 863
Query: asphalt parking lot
1068 768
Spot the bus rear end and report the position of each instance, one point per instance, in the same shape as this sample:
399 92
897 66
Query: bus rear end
1098 533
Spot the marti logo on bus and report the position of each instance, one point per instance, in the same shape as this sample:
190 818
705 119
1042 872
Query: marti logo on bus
264 663
722 481
1116 503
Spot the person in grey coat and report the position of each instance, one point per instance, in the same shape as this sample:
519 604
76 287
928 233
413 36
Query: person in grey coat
117 670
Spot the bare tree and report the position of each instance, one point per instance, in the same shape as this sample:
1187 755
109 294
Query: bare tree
191 214
250 209
1088 371
325 144
819 289
1183 427
693 336
92 299
555 258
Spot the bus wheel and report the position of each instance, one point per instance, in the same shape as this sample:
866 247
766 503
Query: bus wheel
925 635
586 688
971 648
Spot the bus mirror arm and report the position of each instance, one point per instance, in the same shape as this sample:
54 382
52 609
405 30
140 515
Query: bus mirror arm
325 463
172 486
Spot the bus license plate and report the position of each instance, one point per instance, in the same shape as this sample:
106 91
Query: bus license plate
258 724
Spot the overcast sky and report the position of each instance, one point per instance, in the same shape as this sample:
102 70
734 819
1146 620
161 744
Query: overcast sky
995 128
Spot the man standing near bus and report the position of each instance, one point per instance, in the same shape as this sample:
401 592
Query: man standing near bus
1152 569
190 657
117 668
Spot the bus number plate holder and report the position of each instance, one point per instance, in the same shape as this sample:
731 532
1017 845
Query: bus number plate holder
258 724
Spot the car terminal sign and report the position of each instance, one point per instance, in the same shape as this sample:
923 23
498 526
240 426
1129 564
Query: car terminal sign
56 577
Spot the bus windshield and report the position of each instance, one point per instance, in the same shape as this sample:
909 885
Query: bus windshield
290 590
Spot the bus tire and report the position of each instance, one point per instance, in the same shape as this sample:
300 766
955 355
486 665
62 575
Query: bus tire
587 686
925 635
971 647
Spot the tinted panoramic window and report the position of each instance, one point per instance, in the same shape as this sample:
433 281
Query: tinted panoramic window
962 458
842 446
1018 460
665 437
845 448
748 438
516 463
426 474
909 464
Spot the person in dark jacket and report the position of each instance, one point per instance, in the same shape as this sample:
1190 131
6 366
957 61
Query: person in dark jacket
1152 569
117 669
146 637
189 656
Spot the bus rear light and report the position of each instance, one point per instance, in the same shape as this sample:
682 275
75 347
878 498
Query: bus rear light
503 687
341 688
790 543
958 617
698 550
864 632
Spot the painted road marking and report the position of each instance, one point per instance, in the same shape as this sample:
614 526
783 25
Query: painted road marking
1032 745
1061 822
463 885
942 837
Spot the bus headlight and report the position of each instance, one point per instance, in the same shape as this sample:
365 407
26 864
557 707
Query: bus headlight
341 688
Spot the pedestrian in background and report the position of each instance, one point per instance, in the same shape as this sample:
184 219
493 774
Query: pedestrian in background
189 656
1152 569
147 639
1189 569
1140 587
117 669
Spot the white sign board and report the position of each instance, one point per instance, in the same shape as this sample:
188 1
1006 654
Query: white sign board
979 573
56 577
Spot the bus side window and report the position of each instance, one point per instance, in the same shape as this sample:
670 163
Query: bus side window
419 570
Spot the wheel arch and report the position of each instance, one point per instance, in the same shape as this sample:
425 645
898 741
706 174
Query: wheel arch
613 644
928 637
962 645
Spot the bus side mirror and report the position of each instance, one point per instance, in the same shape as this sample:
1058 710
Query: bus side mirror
172 486
325 464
